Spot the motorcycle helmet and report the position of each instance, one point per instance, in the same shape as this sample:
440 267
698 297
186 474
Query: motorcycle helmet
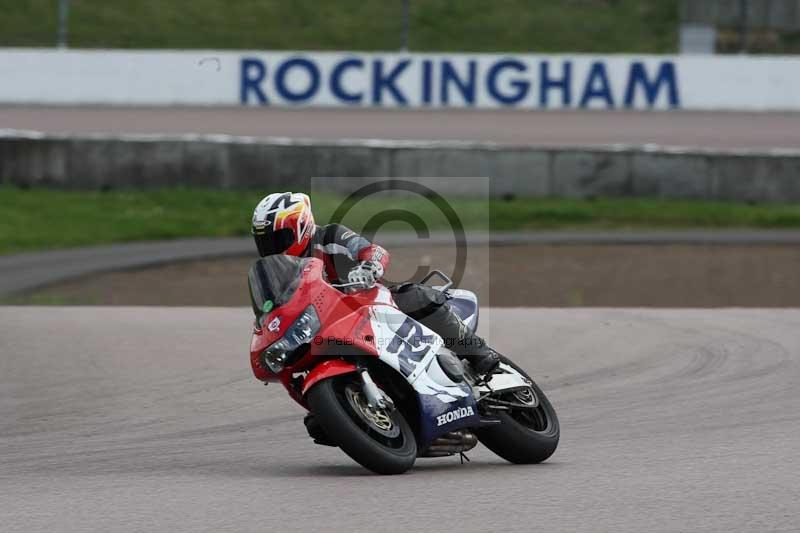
283 224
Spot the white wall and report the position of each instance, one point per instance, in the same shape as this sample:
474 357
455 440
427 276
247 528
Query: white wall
344 79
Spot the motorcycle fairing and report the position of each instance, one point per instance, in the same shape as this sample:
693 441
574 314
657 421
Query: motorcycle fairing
505 379
326 370
411 348
465 304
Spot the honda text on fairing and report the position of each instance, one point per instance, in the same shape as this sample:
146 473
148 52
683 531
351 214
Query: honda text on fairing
380 385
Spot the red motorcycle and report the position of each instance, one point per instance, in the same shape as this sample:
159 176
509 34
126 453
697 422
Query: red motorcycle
380 385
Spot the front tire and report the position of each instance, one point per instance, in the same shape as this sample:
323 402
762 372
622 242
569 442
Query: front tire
524 437
381 442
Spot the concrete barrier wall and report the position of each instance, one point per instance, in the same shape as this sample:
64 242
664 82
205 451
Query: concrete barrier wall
99 161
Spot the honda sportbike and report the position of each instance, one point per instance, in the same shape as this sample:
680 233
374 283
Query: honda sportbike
380 385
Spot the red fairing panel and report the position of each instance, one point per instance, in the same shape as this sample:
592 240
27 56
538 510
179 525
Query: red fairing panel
344 318
311 286
257 344
346 330
326 370
352 332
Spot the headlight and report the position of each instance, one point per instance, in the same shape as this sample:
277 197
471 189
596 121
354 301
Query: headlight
300 332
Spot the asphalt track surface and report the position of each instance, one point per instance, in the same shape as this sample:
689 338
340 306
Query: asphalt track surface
727 130
131 419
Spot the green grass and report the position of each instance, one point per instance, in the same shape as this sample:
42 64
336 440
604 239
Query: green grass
638 26
41 219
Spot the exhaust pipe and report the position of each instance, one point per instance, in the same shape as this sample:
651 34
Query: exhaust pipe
450 444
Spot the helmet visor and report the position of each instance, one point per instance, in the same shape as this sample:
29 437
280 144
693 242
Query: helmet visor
274 242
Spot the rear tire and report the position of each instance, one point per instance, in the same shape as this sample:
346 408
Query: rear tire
353 434
524 439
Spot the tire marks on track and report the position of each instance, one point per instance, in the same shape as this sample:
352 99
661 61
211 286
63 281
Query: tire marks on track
147 418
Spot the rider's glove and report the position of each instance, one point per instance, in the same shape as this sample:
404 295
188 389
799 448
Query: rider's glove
366 273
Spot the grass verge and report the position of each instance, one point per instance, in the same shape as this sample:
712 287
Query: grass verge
42 219
632 26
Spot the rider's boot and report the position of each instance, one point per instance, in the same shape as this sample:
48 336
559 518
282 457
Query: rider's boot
458 337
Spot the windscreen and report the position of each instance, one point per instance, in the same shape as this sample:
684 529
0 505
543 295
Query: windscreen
273 280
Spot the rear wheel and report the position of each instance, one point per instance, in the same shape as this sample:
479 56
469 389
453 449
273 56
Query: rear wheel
378 440
525 435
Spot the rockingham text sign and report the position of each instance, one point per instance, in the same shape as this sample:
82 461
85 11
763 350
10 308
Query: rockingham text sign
460 81
394 80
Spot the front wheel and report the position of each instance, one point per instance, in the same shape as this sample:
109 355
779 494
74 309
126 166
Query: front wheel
378 440
524 436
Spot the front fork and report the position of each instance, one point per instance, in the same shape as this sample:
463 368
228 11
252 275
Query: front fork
376 398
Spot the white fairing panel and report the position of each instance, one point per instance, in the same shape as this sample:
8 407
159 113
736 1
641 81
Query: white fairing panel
466 305
506 379
411 348
384 296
